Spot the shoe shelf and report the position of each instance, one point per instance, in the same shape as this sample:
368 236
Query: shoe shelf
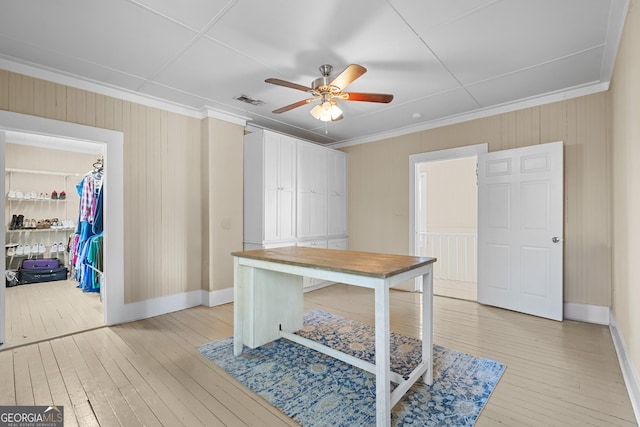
38 200
46 197
39 230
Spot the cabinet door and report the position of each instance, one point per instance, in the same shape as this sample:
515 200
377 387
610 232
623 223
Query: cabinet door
342 244
312 191
271 187
308 281
337 193
287 188
279 191
312 168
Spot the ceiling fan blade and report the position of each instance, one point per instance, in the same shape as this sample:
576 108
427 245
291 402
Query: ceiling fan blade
288 84
294 105
367 97
348 75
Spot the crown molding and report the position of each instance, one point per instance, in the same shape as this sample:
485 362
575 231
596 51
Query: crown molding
584 90
112 91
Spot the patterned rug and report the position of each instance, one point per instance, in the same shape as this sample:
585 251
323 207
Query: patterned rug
318 390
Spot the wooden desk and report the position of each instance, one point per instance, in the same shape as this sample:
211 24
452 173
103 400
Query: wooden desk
268 304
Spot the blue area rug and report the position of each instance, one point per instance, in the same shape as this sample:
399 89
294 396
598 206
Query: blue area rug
318 390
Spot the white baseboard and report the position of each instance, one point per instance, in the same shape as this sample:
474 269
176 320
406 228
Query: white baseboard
157 306
222 296
631 379
586 313
170 303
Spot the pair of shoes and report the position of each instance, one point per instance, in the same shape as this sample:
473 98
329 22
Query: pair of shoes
29 196
65 224
54 195
15 194
11 250
17 222
43 224
29 224
58 247
62 195
37 248
20 250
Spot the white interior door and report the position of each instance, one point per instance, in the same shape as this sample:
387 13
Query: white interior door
520 229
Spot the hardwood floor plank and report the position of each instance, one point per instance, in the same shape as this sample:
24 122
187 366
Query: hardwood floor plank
232 394
202 404
23 386
105 355
8 391
104 379
79 400
59 392
104 413
39 384
123 354
171 391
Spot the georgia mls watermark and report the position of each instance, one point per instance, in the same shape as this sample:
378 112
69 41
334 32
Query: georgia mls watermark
31 416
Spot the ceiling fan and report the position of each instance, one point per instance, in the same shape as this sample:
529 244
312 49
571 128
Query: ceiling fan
328 90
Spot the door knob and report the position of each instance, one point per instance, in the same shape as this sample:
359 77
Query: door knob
555 240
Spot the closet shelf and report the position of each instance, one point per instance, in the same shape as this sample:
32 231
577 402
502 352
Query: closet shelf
35 256
38 230
49 200
39 172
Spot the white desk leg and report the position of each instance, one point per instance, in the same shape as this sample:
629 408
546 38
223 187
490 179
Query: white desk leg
238 307
427 323
383 365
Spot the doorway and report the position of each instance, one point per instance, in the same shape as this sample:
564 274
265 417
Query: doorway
112 142
443 217
447 224
42 204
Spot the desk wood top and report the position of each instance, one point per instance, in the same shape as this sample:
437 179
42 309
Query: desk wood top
352 262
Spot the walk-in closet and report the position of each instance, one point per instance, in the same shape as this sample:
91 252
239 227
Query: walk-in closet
54 238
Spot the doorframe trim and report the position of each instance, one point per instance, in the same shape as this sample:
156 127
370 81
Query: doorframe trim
432 156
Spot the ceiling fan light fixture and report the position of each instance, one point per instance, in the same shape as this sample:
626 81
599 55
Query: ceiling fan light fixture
325 88
327 111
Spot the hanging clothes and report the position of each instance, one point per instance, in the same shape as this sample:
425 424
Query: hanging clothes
97 218
87 242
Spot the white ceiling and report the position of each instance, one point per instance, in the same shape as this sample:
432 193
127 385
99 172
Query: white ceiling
443 60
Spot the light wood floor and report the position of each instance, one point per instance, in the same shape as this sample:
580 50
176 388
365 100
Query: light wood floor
40 311
150 373
455 289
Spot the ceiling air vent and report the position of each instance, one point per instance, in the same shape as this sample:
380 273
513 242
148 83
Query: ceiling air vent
249 100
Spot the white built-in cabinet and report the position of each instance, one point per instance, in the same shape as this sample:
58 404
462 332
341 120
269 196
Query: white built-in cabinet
295 193
269 188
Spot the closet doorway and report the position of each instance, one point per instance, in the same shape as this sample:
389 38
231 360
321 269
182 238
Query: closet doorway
444 218
115 310
41 211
